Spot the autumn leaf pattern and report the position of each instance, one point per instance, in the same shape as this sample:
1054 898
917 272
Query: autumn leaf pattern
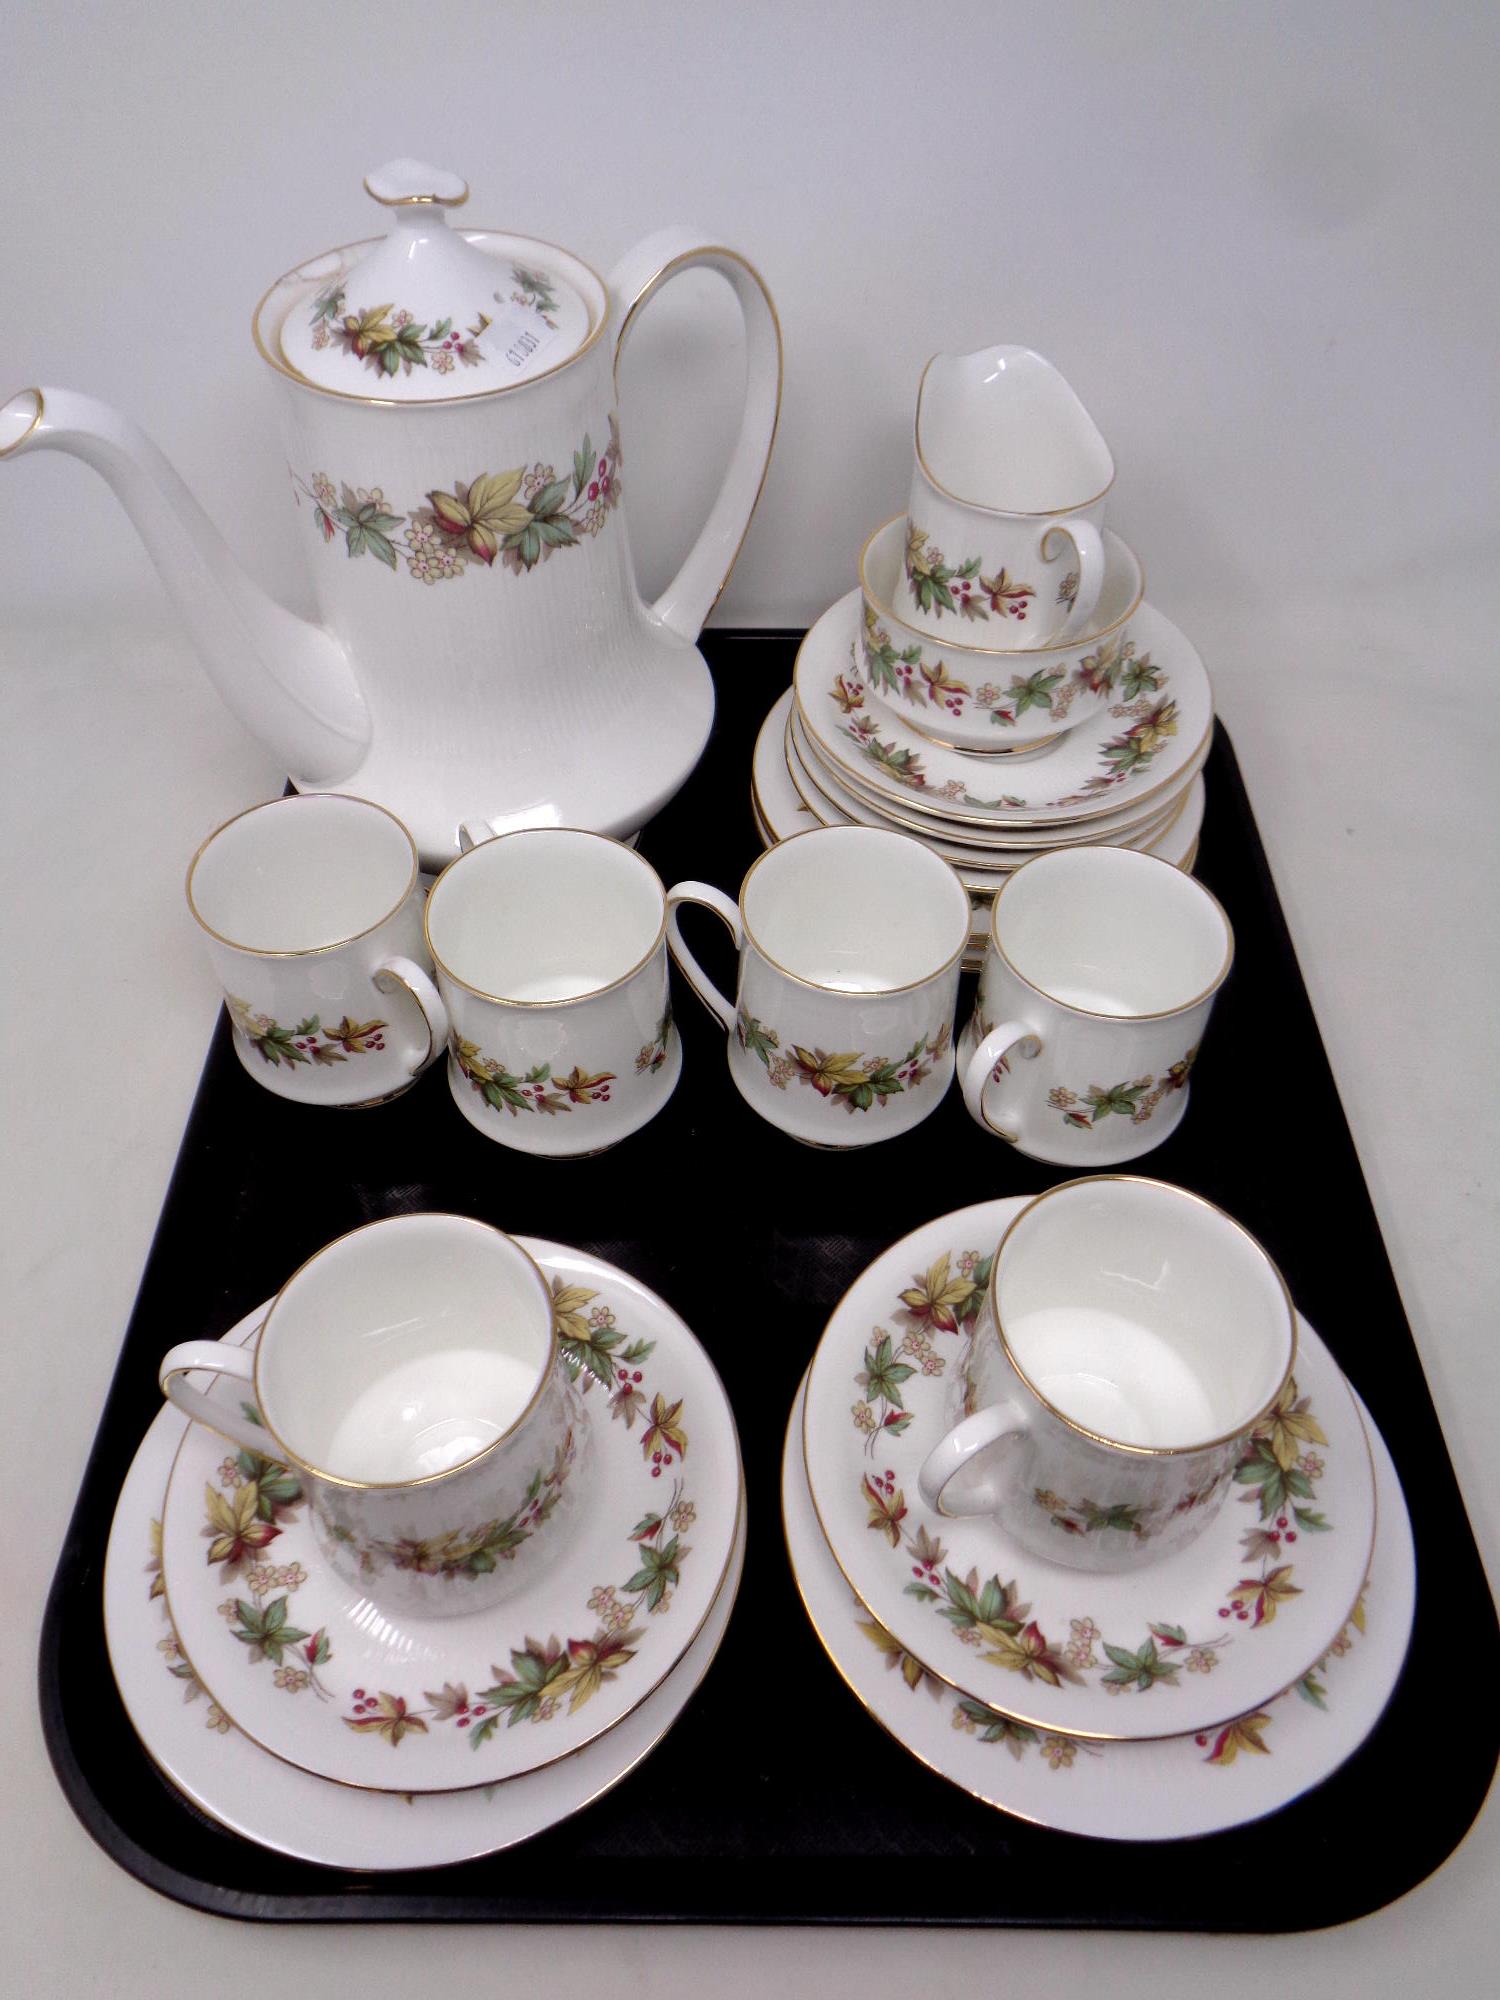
1278 1468
515 518
308 1042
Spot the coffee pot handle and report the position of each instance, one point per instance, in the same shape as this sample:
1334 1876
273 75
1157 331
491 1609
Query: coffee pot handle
634 282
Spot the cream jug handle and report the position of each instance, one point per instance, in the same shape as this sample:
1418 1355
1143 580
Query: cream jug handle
635 280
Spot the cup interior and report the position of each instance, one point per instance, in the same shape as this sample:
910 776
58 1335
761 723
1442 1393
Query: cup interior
301 874
405 1349
855 909
545 914
1142 1314
1110 931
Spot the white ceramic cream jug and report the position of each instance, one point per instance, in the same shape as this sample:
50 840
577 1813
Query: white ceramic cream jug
450 417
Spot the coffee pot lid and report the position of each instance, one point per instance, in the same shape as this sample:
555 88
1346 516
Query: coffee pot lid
430 313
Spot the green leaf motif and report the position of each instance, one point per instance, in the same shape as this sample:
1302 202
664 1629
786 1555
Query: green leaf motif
1142 1670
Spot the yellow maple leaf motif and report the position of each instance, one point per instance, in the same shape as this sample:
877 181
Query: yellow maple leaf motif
234 1529
1260 1596
899 1660
583 1088
828 1073
370 328
390 1720
352 1035
887 1510
1357 1615
939 683
153 1568
1288 1427
935 1298
591 1662
1156 725
568 1302
848 694
1025 1653
664 1429
1245 1734
916 551
483 513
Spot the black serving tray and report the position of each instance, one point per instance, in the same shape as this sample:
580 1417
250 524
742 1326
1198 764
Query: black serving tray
776 1799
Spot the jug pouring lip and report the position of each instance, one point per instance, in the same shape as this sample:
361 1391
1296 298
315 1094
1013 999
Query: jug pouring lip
325 265
1094 440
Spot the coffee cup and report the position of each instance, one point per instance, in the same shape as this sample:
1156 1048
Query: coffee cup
1131 1337
1099 975
551 958
850 943
408 1377
311 909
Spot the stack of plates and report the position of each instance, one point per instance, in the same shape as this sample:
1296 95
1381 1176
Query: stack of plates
1200 1692
834 753
295 1711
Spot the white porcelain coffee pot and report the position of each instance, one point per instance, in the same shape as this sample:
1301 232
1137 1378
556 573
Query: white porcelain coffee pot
450 416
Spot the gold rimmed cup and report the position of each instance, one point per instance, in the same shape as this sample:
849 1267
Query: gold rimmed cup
965 689
1133 1335
310 909
849 941
407 1371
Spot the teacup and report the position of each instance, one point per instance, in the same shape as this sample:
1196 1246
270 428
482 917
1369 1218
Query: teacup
1131 1338
1099 976
408 1377
969 692
312 911
1007 500
550 951
850 942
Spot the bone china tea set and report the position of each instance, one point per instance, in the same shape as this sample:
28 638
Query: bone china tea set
1074 1464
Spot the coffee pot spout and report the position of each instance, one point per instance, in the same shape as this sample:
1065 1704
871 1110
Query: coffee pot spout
286 679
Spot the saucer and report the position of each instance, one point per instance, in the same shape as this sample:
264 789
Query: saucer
822 791
1124 755
317 1673
1170 1789
190 1739
780 811
1200 1636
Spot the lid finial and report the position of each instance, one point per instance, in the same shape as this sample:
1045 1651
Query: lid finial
415 184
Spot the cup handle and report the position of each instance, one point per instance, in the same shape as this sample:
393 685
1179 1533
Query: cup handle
213 1354
424 996
1088 553
979 1071
715 900
963 1443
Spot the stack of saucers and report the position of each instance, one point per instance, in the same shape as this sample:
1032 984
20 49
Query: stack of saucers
1205 1689
300 1712
1004 698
